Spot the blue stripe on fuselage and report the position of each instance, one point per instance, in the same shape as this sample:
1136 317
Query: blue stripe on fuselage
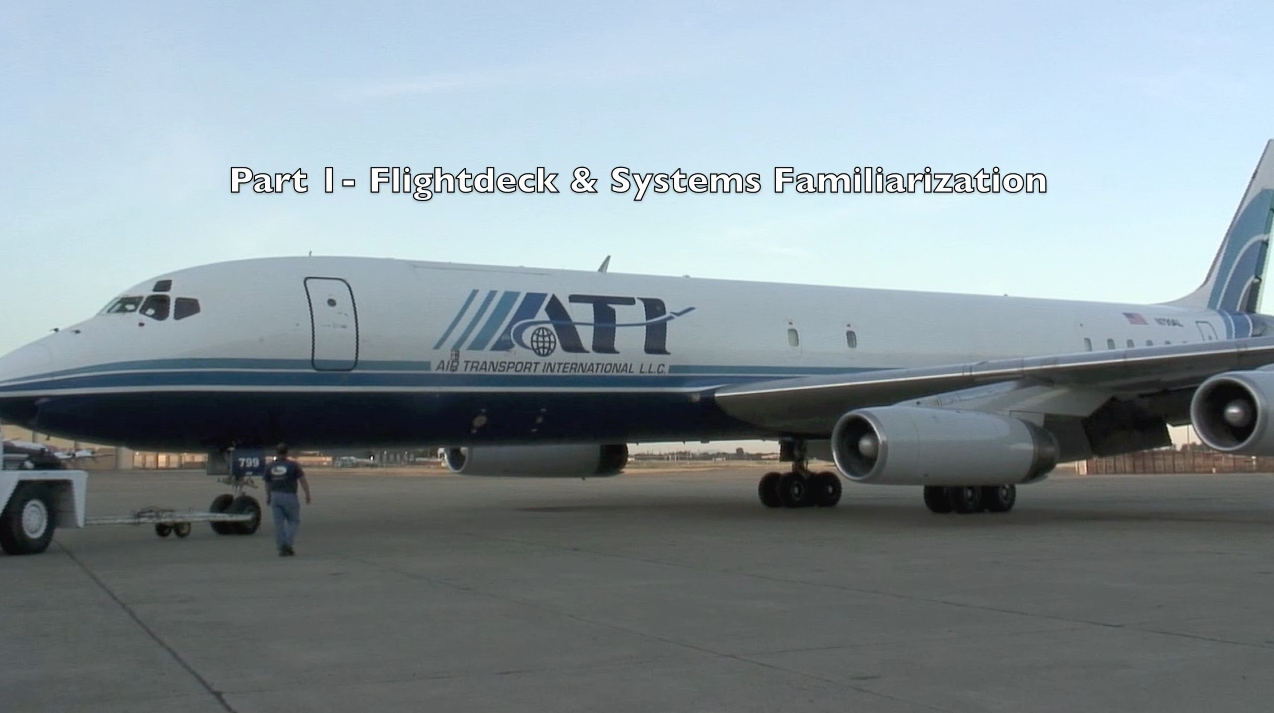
211 364
529 308
1228 321
502 309
192 421
454 322
215 365
486 302
232 380
1243 325
1238 325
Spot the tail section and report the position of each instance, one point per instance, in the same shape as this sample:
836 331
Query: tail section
1234 282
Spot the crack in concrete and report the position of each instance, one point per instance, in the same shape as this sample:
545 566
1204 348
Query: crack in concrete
392 680
217 695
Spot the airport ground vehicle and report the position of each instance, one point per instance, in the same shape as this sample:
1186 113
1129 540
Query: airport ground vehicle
37 497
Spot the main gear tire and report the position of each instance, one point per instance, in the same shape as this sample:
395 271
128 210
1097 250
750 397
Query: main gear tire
245 505
827 489
221 503
768 490
999 498
794 491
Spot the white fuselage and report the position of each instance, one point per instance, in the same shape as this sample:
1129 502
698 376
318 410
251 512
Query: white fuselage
446 351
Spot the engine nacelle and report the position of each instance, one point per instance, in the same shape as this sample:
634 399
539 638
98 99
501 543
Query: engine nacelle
548 461
1231 412
908 445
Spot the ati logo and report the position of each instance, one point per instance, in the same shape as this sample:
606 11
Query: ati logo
541 323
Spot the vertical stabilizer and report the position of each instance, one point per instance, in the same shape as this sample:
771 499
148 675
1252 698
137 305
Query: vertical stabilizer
1234 282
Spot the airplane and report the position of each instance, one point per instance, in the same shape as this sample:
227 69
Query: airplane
549 372
355 462
31 455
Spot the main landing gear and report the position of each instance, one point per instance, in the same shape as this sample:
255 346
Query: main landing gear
970 498
799 487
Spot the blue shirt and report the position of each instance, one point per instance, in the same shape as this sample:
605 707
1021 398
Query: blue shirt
282 474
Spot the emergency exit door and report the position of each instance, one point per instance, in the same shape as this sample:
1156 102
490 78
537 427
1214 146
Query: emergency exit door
1207 331
333 324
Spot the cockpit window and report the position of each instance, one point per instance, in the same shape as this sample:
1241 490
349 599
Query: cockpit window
156 307
186 307
163 286
123 305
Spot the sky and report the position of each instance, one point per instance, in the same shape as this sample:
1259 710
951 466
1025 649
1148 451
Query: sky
119 124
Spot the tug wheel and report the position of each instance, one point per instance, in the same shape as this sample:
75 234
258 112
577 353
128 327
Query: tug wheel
27 522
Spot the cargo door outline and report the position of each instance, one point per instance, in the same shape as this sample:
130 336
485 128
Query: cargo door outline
1206 330
333 324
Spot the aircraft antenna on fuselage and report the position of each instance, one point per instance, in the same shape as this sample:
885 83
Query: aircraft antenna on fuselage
605 264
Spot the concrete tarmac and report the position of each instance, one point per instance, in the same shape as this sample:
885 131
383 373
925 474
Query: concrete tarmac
655 592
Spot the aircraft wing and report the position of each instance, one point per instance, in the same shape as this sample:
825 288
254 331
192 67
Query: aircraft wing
811 405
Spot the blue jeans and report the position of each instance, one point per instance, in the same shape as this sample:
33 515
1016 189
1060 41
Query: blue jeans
286 508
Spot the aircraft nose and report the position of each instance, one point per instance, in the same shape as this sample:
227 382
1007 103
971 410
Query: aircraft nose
24 362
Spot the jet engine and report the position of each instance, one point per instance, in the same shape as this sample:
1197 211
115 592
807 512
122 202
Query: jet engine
548 461
1231 412
908 445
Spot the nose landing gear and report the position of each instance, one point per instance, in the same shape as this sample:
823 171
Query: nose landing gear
237 502
239 467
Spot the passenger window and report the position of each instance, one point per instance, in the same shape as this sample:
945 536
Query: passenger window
186 307
1131 344
1110 344
851 339
1150 342
1088 344
156 307
793 339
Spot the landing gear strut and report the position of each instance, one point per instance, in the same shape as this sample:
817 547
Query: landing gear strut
799 487
970 498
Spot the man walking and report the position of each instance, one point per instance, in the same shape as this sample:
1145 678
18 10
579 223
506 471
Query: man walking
281 478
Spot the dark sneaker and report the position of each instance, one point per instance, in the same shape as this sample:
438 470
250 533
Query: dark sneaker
288 551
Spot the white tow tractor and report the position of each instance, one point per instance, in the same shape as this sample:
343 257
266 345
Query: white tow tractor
38 496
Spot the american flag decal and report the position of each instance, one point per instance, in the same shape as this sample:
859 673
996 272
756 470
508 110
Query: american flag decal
1134 318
